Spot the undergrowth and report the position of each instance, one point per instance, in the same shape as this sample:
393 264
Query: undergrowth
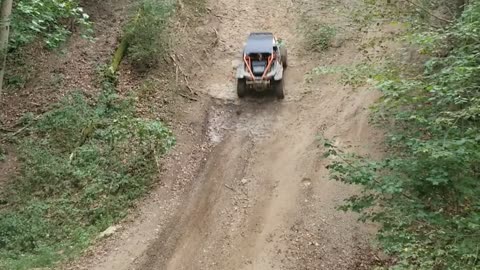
319 36
425 193
50 20
83 163
147 32
82 166
48 23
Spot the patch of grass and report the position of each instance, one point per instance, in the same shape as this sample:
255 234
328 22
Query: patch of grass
15 81
319 36
357 75
354 76
200 6
19 71
82 166
365 73
3 153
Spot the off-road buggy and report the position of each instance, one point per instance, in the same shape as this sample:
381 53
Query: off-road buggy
264 60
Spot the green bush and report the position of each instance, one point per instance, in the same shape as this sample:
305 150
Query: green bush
426 192
50 20
82 166
147 32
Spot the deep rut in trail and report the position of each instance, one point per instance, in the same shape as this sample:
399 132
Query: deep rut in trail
262 198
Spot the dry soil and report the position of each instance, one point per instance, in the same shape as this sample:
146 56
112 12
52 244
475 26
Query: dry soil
254 193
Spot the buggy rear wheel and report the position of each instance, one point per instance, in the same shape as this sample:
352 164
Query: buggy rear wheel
278 88
284 54
241 88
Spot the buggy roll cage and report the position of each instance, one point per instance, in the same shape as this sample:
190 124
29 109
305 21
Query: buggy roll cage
248 62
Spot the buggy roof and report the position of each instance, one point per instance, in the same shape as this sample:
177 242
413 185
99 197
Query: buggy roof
261 42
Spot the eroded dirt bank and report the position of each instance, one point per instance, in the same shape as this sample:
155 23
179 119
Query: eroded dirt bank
258 195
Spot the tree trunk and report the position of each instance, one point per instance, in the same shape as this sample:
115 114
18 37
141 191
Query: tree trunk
118 56
5 12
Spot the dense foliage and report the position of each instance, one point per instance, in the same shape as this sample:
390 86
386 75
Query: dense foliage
50 20
83 163
82 166
147 32
426 192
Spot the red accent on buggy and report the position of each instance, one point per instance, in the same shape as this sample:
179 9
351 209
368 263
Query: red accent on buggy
248 62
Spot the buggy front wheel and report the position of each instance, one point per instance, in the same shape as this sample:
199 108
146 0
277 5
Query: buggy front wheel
278 88
284 54
241 88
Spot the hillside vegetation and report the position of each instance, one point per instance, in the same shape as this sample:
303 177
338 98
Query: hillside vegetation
85 160
425 193
82 161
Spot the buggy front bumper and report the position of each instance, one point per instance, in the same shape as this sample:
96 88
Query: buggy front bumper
259 85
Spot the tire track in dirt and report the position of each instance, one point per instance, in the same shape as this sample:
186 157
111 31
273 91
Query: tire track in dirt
262 200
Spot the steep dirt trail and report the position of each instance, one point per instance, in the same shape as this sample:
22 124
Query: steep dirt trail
262 198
